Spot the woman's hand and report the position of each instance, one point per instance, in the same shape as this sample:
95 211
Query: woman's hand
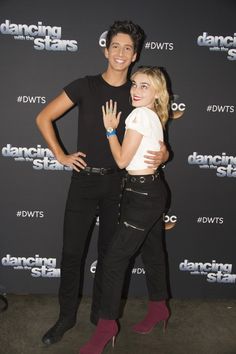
111 118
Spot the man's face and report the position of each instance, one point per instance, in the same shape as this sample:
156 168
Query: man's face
120 53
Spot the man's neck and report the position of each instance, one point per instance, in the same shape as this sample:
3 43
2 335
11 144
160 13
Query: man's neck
115 78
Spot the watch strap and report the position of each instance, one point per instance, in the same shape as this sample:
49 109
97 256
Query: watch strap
111 133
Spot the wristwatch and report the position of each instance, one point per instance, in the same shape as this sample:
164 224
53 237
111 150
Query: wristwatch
110 131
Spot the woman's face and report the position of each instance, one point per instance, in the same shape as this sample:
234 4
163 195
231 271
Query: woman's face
142 92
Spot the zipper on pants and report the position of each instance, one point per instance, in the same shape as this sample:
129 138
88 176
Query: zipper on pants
134 191
132 226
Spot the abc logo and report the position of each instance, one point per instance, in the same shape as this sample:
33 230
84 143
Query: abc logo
102 39
93 267
170 221
177 109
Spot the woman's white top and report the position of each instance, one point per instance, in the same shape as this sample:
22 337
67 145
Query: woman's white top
146 122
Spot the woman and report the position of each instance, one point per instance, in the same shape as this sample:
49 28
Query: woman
143 204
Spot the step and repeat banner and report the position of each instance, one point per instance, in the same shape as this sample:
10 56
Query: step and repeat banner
49 44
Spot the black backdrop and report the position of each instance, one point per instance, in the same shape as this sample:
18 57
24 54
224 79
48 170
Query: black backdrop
47 44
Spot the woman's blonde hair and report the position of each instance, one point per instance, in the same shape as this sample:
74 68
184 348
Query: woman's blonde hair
158 81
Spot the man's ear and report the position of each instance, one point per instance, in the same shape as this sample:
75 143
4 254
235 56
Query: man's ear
106 53
134 57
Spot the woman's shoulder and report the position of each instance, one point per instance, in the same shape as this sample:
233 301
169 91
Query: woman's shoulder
138 117
139 111
135 113
144 110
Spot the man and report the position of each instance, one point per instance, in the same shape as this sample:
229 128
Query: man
96 180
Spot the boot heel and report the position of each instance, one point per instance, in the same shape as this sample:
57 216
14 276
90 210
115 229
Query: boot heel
165 325
157 312
105 332
113 341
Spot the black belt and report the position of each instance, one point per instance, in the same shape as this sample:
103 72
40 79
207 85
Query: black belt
143 178
99 170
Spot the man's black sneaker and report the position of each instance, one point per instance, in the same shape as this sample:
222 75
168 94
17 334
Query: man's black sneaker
55 333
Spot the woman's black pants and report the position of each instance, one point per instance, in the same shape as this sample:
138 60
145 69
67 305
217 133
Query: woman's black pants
140 229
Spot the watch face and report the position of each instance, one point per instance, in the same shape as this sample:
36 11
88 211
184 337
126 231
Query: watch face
109 130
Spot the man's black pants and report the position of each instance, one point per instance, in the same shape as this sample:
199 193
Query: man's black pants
86 193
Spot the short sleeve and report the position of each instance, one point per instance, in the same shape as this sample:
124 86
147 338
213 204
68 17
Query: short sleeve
74 89
138 121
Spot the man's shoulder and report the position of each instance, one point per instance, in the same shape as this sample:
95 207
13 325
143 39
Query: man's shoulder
82 82
87 78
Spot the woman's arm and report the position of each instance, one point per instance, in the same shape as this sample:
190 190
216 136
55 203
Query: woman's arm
124 154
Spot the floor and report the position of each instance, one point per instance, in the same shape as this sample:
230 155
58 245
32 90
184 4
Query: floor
195 327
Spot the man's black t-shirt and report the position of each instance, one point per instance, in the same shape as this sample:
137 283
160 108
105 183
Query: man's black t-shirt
89 94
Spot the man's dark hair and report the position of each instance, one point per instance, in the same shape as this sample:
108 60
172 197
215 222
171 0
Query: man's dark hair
136 33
